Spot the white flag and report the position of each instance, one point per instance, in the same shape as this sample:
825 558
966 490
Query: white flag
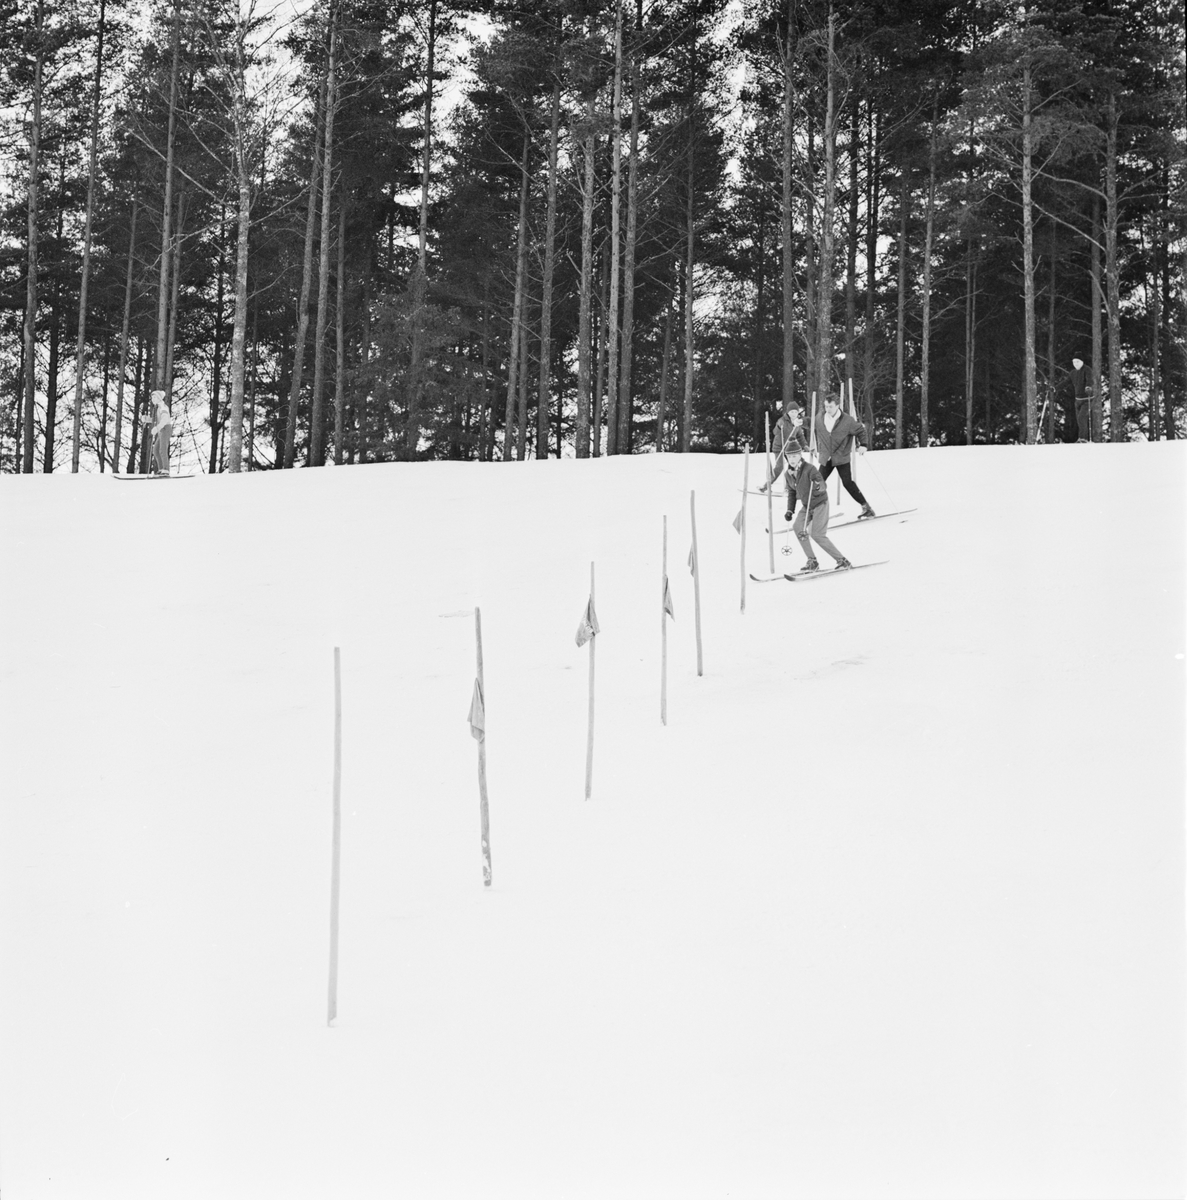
477 714
692 561
589 624
668 600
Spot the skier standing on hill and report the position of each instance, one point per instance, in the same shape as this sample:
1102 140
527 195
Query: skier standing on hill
1082 399
835 434
806 484
789 431
162 430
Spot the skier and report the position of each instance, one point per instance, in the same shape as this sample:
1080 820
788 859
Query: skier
789 431
162 430
835 433
1083 401
806 484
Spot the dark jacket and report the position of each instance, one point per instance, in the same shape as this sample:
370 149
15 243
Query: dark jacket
835 446
810 488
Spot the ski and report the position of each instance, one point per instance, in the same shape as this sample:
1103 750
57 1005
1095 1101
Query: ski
898 512
825 574
182 475
855 520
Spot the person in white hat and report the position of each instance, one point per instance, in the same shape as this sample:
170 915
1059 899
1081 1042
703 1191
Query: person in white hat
162 431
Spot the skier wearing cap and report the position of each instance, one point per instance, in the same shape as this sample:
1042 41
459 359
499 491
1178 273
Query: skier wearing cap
806 485
1083 400
835 435
789 431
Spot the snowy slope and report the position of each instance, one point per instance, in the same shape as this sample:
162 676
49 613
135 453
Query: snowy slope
893 905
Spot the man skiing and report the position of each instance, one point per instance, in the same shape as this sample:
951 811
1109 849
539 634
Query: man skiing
789 431
162 430
1083 401
806 484
835 434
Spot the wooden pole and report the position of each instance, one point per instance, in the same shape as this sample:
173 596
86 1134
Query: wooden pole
487 875
589 746
696 577
663 636
770 501
337 838
745 485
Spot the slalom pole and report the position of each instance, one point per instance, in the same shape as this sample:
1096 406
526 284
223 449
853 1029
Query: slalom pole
663 626
696 577
336 852
484 809
770 500
745 485
590 743
812 431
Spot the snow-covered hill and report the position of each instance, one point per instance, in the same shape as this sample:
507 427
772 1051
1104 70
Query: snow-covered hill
892 906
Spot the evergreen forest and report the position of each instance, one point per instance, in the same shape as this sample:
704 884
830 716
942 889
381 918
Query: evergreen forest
376 230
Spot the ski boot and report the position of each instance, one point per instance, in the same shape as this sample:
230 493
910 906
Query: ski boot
866 511
843 564
810 566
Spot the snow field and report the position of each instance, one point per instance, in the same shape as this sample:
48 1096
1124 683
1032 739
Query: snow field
893 906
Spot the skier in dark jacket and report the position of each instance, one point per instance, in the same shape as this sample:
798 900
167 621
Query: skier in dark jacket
789 431
835 435
1082 399
806 485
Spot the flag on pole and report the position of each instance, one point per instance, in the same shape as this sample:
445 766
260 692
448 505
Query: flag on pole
668 600
692 561
738 518
589 624
477 714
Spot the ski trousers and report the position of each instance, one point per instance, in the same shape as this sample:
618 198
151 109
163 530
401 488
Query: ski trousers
814 523
846 474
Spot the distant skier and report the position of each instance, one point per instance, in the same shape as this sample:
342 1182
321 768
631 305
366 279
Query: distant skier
162 431
835 434
806 485
789 431
1083 401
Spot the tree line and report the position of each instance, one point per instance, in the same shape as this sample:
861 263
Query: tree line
405 229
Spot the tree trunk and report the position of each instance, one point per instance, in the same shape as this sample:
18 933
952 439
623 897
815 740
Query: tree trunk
513 346
139 387
167 207
665 371
900 334
30 342
615 235
80 350
1098 413
302 336
340 332
1049 430
970 335
625 404
1030 413
786 206
1117 430
542 398
220 301
851 257
873 200
51 376
419 279
124 336
689 261
599 355
583 311
521 424
928 236
175 290
316 449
